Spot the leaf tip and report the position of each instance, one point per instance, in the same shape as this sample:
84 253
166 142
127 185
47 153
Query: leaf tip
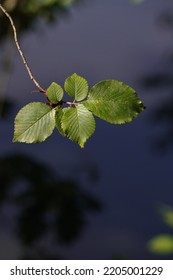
14 140
81 145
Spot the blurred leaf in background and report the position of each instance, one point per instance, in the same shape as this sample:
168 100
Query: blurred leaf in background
44 209
136 1
25 13
163 243
167 214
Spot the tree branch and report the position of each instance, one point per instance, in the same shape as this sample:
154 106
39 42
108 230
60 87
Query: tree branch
20 51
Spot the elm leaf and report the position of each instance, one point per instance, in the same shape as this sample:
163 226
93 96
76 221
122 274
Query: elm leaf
114 102
54 93
76 87
34 123
78 124
58 120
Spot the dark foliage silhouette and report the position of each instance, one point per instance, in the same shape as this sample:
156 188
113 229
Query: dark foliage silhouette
47 204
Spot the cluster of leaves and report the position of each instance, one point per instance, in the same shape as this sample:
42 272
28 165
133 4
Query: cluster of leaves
163 243
109 100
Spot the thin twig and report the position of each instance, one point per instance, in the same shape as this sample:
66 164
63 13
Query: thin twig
72 103
20 51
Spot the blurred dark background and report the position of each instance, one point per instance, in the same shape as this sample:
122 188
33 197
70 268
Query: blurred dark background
58 201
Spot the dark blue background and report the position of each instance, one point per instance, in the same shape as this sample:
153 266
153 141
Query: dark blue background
101 40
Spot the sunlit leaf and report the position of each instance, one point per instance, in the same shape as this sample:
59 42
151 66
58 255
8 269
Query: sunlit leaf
161 244
55 93
113 102
76 87
34 123
78 124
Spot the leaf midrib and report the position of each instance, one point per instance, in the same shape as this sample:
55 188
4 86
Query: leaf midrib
35 122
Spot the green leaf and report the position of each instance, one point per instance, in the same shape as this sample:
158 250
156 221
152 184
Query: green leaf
161 244
58 120
34 123
54 93
76 87
78 124
113 102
